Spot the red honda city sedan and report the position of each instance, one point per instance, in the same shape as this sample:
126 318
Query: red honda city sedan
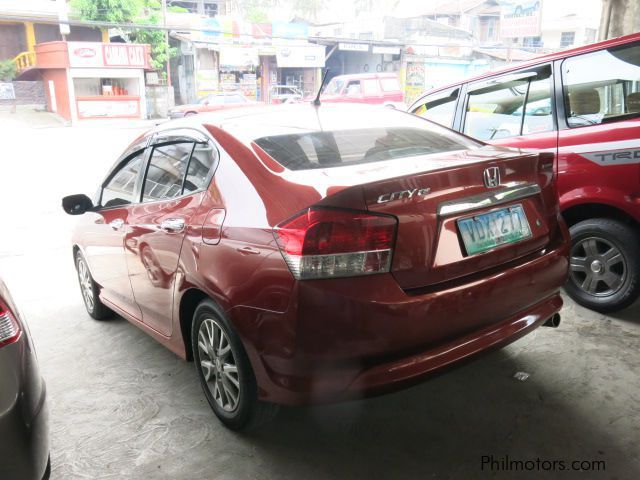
303 254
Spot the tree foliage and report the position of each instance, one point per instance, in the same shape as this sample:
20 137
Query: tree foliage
117 11
256 15
7 70
308 8
130 11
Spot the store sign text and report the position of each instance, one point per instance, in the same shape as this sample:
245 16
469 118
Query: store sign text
353 47
124 55
84 52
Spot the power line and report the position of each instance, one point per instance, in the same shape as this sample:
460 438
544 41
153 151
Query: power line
179 29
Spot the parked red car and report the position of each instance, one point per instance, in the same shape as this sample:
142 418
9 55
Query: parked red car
212 103
306 254
372 88
584 105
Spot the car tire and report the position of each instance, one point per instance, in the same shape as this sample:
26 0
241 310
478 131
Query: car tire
188 114
225 372
604 273
90 291
47 470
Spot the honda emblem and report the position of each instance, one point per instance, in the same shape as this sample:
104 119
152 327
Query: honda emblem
491 177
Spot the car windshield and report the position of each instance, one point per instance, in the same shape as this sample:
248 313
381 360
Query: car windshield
325 149
334 87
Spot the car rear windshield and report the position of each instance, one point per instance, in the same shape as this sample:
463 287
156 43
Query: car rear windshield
323 149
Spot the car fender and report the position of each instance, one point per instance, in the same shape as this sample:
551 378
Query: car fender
597 194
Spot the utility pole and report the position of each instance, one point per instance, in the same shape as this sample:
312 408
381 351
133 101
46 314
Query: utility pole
166 39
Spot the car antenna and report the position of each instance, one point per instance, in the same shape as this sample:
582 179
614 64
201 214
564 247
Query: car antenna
316 101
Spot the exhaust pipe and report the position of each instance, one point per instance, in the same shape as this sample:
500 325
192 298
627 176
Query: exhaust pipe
553 321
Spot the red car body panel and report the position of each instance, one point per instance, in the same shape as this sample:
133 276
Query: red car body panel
321 340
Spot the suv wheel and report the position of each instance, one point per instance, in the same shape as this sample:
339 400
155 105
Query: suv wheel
604 272
90 291
225 372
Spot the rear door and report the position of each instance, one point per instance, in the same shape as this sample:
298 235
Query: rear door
176 176
513 110
371 92
599 145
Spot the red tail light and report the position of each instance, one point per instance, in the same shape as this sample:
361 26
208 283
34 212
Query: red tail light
9 328
329 243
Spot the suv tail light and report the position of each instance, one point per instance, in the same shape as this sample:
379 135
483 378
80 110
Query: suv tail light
329 243
9 328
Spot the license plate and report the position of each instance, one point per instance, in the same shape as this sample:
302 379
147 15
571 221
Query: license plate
489 230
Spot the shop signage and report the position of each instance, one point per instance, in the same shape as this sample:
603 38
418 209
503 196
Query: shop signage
520 18
295 31
386 50
237 57
353 47
94 54
295 56
124 55
7 92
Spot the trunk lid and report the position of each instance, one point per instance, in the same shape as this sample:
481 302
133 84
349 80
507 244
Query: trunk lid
429 202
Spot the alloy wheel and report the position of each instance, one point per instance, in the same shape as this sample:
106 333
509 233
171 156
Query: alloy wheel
597 266
86 285
218 364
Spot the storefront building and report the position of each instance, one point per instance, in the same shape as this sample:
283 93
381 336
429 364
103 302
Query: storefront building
221 55
92 80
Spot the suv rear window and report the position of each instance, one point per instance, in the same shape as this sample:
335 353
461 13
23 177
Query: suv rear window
323 149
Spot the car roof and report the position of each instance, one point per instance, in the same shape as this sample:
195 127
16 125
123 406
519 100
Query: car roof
542 59
356 76
250 123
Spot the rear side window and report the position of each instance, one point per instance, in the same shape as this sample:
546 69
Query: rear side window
235 99
200 165
603 86
370 86
518 105
439 107
166 171
345 147
120 189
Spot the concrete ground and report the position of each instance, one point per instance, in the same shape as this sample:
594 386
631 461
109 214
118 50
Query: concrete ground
123 407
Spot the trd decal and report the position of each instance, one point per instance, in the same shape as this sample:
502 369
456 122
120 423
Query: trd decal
617 157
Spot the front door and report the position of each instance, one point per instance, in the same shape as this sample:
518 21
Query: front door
105 234
172 192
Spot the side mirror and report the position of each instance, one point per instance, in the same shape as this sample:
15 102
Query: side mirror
77 204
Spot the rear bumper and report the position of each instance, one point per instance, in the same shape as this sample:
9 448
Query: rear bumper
24 417
349 338
405 371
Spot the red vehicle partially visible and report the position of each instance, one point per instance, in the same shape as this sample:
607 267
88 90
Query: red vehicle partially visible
372 88
304 254
212 103
582 104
